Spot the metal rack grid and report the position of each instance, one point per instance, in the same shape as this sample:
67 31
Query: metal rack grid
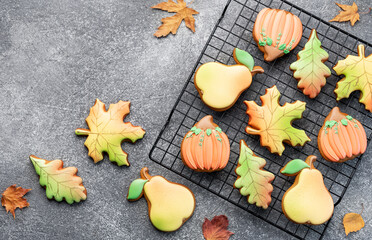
234 29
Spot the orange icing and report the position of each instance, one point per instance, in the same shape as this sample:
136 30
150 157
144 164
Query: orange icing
282 27
341 137
205 148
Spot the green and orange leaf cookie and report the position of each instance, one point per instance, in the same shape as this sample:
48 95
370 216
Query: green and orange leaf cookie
107 131
309 69
253 181
274 122
358 76
60 183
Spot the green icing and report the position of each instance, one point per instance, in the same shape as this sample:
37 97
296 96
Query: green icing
59 183
218 129
330 124
282 47
286 51
208 132
294 167
344 122
136 188
269 41
349 117
244 58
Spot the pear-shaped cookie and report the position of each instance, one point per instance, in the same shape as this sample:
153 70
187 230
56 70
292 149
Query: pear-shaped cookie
219 85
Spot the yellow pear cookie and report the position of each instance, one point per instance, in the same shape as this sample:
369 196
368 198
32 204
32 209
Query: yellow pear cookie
170 204
307 201
219 85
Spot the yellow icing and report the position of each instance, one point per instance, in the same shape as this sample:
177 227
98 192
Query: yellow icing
170 203
308 200
220 85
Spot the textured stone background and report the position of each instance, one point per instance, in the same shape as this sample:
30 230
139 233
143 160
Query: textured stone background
57 57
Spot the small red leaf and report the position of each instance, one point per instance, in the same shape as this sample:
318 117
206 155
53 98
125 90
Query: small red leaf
217 228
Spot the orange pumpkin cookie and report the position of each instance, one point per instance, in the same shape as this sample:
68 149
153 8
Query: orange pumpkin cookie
219 85
205 148
341 137
307 201
276 32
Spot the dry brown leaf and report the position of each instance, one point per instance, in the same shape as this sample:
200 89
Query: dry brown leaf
12 198
171 24
217 228
353 222
349 13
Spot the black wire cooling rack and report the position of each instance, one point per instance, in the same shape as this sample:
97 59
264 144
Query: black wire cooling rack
234 29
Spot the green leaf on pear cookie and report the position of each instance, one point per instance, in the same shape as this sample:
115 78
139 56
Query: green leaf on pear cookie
244 58
136 189
293 167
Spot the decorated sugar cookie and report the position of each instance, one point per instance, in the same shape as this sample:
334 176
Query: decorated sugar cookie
205 148
341 137
60 183
219 85
274 122
309 69
358 76
307 201
253 180
107 131
170 204
276 32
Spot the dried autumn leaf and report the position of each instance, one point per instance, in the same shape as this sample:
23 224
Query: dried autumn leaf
252 180
171 24
60 183
349 13
12 198
309 68
358 76
353 222
217 228
273 122
107 131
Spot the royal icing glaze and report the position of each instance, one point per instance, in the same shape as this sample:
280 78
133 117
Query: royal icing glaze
309 69
60 183
205 148
170 204
273 122
107 131
358 76
307 201
253 180
276 32
341 137
219 85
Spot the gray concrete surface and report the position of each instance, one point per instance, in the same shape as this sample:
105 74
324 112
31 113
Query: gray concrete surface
57 57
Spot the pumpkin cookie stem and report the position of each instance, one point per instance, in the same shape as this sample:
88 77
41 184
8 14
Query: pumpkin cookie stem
145 173
82 132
